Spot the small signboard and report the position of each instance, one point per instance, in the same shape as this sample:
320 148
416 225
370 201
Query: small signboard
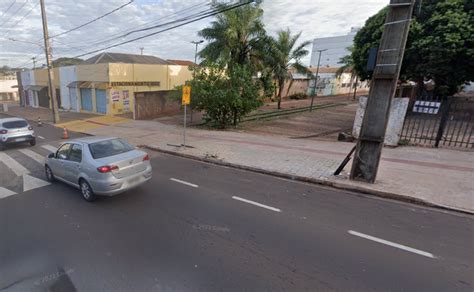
426 107
115 95
186 99
126 100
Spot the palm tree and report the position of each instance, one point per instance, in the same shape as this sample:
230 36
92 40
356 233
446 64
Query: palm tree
235 36
283 56
347 64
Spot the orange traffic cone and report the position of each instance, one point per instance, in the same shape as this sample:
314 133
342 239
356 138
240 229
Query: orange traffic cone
65 134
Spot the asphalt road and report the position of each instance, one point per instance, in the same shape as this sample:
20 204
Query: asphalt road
201 227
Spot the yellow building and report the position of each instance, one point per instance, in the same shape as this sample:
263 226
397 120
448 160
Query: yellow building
107 83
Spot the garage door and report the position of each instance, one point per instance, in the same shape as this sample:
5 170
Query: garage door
73 98
86 99
101 101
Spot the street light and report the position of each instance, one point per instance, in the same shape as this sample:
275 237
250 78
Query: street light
194 71
195 54
316 80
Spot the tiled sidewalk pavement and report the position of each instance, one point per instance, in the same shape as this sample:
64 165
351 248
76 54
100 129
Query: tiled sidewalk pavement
439 177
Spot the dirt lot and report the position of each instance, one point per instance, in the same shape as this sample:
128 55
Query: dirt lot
323 123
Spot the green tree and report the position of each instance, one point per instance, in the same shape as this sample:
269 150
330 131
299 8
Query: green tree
225 95
440 45
66 62
235 37
283 56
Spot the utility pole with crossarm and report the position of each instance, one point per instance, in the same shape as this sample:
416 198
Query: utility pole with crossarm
382 90
47 48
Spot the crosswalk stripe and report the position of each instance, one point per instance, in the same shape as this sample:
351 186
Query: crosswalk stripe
30 183
11 163
49 148
33 155
5 193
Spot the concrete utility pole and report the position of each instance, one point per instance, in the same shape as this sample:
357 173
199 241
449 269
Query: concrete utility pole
384 84
47 48
141 50
316 80
34 62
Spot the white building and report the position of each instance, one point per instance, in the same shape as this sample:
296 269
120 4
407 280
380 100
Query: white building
8 88
335 48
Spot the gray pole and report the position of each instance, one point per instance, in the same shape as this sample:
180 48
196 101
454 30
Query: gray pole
382 90
34 62
195 61
184 128
47 48
316 80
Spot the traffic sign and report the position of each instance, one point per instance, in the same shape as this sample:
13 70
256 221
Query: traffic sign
186 99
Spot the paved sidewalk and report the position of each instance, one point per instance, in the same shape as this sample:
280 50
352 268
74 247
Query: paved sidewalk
438 177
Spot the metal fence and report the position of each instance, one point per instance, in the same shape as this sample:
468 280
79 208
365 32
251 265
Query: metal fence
446 122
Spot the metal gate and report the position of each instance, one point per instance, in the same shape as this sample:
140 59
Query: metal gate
446 122
101 101
86 99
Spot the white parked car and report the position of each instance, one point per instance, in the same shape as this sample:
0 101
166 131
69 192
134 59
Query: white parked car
16 130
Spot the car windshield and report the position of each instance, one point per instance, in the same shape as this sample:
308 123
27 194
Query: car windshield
15 124
109 148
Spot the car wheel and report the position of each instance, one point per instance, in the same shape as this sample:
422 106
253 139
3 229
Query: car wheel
33 142
86 191
49 174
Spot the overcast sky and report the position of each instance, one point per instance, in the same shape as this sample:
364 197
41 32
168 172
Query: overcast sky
315 18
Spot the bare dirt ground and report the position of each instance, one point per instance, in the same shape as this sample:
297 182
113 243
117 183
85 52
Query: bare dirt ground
325 123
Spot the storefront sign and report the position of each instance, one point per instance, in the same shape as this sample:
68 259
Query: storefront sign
135 83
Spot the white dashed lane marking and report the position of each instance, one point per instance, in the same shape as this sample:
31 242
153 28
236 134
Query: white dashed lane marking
256 204
184 182
392 244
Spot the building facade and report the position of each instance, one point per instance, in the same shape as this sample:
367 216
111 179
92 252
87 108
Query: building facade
8 87
334 49
104 84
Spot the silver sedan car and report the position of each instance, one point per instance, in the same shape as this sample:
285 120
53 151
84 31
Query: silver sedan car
99 166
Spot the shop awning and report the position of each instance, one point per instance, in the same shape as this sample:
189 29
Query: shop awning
88 84
34 87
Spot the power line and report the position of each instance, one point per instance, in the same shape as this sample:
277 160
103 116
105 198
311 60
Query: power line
28 13
93 20
11 5
14 13
101 41
170 28
200 13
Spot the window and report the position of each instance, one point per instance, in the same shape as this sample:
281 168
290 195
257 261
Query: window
109 148
15 124
63 152
76 153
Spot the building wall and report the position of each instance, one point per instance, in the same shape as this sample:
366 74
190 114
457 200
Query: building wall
336 47
27 79
67 75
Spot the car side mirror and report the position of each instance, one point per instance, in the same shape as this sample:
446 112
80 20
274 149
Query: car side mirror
51 155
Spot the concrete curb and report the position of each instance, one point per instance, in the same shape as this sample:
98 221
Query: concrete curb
324 182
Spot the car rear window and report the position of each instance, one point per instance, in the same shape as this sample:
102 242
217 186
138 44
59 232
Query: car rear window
109 148
15 124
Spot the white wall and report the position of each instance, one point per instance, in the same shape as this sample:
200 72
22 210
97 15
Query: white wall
28 78
336 48
6 86
67 75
